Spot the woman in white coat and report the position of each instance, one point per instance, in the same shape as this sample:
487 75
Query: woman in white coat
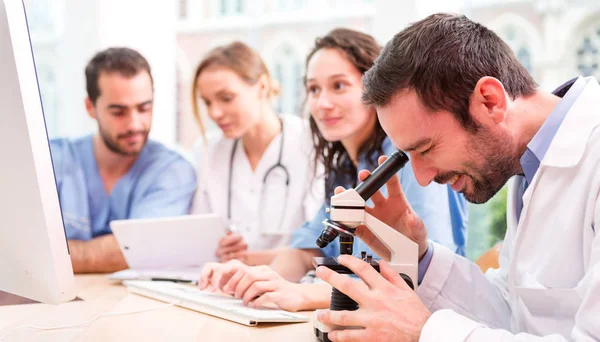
257 172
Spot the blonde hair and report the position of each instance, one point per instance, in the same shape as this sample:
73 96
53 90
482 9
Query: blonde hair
239 58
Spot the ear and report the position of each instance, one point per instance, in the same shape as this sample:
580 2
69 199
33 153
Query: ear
90 108
264 86
489 101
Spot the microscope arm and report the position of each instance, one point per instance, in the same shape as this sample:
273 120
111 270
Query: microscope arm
404 253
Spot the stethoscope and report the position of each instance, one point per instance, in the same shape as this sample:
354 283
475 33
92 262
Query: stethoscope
277 165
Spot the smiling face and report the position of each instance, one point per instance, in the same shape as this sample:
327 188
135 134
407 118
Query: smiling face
478 164
232 103
334 89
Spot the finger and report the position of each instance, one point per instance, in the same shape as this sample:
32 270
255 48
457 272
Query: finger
378 198
222 274
338 190
216 278
392 276
266 299
206 274
394 187
230 286
231 239
363 174
256 274
343 283
349 335
365 271
222 251
257 289
381 159
342 318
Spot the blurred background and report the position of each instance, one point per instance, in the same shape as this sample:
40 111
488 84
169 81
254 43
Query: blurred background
554 39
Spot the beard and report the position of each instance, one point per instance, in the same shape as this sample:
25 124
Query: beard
114 145
497 162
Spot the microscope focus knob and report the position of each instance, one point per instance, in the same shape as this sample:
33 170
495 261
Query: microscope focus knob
408 281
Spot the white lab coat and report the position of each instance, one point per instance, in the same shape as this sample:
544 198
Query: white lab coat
264 216
548 284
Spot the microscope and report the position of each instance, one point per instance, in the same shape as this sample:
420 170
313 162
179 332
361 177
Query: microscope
347 211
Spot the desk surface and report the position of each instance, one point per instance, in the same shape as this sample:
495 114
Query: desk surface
101 295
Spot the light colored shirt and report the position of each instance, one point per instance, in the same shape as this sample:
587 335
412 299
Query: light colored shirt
160 183
261 207
443 211
538 146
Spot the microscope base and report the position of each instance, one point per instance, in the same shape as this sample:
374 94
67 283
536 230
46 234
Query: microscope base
322 330
321 336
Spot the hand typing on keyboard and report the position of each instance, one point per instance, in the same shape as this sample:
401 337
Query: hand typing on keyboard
211 303
261 286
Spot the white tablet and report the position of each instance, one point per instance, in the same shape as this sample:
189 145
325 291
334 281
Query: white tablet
180 242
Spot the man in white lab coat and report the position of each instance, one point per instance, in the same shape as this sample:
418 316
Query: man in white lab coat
452 94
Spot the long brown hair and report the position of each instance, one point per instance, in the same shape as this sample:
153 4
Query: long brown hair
239 58
361 50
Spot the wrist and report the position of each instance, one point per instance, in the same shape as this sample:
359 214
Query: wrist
314 296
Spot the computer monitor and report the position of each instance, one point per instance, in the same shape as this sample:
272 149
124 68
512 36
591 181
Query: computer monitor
34 256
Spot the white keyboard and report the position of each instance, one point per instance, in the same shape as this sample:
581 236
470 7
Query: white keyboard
210 303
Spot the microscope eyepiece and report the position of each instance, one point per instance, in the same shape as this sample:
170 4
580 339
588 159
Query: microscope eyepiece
382 174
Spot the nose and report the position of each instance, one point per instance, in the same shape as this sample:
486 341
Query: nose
136 121
215 112
424 171
324 101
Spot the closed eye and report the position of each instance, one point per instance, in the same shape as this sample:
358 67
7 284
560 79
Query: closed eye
423 153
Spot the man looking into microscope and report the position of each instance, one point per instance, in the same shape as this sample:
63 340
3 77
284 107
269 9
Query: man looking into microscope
451 93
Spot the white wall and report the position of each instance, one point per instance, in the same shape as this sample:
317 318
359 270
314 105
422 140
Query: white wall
93 25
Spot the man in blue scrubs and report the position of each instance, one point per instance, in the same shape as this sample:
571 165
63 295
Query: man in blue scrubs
116 173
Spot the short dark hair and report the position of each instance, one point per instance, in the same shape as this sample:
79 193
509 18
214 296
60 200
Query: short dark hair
441 58
126 61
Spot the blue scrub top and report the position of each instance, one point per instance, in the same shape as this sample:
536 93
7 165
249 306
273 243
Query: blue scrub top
160 183
444 211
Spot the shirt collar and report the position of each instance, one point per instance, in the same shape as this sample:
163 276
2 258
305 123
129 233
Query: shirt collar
538 146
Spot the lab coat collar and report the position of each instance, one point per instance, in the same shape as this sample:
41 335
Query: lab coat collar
572 136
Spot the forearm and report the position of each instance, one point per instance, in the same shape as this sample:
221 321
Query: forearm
447 325
292 264
449 277
99 255
265 257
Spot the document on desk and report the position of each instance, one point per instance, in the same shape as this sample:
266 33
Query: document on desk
186 275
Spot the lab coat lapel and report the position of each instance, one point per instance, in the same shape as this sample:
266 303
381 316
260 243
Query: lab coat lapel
570 141
566 149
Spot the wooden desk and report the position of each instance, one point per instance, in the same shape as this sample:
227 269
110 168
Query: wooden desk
101 295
